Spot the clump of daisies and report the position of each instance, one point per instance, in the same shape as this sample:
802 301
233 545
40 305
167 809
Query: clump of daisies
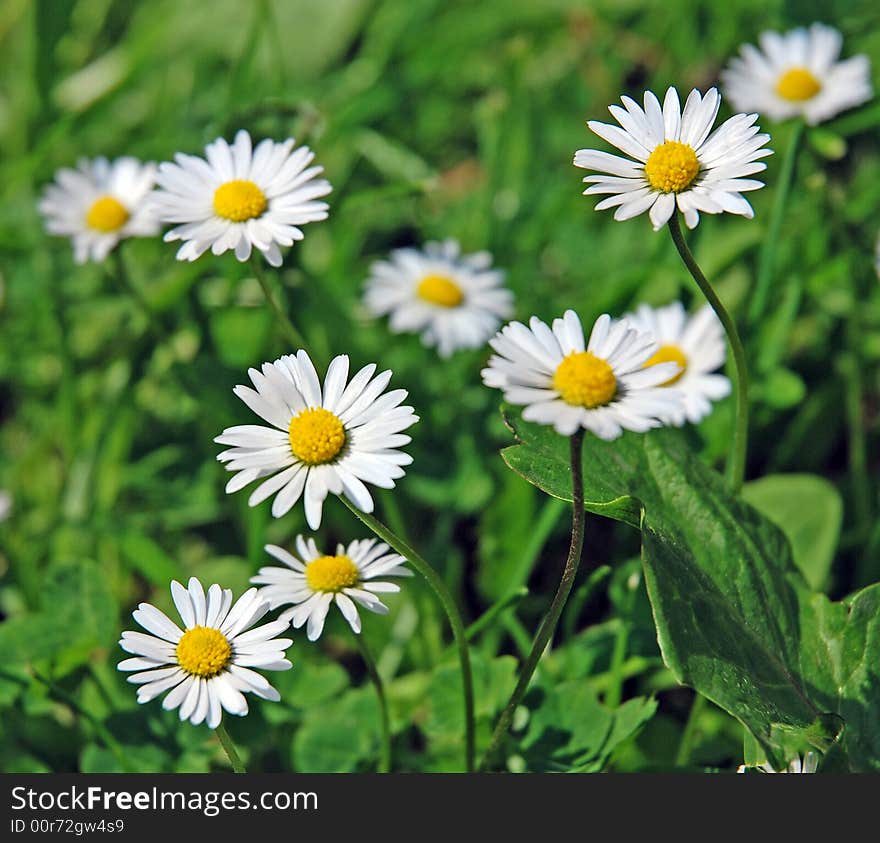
207 666
100 203
697 345
605 385
312 581
454 301
676 160
322 440
239 198
798 74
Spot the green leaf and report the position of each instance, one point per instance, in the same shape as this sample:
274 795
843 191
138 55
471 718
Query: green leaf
809 510
78 615
570 730
734 618
493 682
567 728
339 736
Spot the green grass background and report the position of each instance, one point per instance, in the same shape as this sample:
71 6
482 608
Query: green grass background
432 120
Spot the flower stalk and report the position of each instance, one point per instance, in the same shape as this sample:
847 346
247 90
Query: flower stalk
452 613
736 465
229 749
551 619
291 332
378 684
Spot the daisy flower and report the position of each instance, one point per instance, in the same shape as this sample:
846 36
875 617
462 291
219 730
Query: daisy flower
603 386
455 301
206 666
809 765
697 345
314 581
100 203
678 160
240 198
321 441
5 505
798 74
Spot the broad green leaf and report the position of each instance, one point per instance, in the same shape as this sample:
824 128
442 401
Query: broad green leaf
570 730
339 736
78 614
808 509
493 683
734 618
567 727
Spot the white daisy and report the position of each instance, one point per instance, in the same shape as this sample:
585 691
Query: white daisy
455 301
314 581
206 666
320 442
100 203
240 198
677 161
809 765
603 386
798 73
697 345
5 505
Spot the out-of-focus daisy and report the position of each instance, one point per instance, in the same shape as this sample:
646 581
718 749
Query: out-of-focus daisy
320 442
314 581
240 198
809 765
604 386
797 73
455 301
697 345
5 505
206 667
679 161
100 203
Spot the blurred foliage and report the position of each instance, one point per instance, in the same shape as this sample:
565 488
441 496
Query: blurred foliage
432 120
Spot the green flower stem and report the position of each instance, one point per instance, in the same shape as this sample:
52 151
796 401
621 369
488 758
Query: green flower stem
551 619
689 734
767 258
376 679
290 330
229 749
736 465
452 613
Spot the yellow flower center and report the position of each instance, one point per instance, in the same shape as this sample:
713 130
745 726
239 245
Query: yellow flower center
672 167
316 436
203 651
669 354
332 573
107 214
584 380
239 200
440 290
798 84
